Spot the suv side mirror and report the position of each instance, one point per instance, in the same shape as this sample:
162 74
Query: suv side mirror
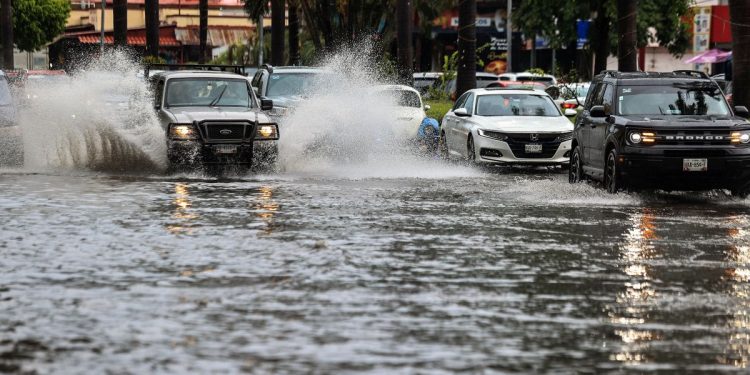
597 111
741 110
461 112
266 104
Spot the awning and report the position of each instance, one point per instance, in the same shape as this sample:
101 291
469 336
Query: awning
133 40
710 57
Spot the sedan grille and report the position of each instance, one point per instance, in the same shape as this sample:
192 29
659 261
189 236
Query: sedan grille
550 143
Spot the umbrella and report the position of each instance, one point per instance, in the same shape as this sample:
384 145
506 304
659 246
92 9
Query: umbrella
711 56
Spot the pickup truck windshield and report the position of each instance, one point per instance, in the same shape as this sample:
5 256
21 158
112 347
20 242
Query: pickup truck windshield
516 105
207 92
676 99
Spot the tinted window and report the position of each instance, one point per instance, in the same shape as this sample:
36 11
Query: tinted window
290 84
469 106
608 99
203 92
676 99
516 105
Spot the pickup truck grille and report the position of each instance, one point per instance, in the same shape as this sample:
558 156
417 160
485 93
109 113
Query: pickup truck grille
214 131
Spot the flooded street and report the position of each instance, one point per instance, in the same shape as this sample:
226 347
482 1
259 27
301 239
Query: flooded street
468 270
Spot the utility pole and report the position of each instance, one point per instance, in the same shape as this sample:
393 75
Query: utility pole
260 40
101 36
6 18
509 37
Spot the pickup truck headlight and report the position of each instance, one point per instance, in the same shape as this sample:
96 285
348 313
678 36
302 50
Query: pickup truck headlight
182 131
267 132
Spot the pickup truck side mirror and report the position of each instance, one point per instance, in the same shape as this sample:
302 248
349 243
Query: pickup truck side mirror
266 104
597 111
741 111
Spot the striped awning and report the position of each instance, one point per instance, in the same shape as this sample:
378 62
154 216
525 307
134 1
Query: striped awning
133 40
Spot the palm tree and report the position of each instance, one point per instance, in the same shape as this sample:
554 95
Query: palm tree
120 15
627 58
403 32
466 78
203 30
152 28
739 12
277 31
6 18
293 33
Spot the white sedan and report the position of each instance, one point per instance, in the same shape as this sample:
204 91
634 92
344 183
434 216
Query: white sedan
503 126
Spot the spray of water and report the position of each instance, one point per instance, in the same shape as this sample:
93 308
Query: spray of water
345 130
100 119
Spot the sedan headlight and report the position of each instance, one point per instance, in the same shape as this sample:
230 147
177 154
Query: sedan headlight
267 132
492 134
565 137
182 131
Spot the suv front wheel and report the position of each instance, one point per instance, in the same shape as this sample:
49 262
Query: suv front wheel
612 180
575 170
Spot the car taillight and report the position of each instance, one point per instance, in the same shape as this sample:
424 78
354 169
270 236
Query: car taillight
569 105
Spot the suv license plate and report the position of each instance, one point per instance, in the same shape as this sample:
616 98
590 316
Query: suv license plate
533 148
225 149
694 165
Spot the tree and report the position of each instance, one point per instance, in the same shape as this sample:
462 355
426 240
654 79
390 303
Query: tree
152 28
627 54
120 16
6 16
203 30
466 78
739 12
36 23
405 60
278 30
293 34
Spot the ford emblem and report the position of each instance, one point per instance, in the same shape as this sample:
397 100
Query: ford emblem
225 131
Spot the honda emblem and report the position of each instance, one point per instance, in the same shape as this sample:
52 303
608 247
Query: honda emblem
534 137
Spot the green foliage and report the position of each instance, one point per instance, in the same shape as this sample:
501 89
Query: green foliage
38 22
240 55
438 108
154 60
538 17
450 67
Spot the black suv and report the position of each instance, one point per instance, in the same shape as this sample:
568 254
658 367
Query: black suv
672 131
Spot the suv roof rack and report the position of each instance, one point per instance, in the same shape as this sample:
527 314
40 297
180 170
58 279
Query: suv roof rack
237 69
694 73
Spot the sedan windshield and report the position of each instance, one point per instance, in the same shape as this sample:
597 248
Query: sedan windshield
290 84
404 98
516 105
677 99
207 92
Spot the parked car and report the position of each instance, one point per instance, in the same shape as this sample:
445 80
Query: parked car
483 80
518 85
573 95
424 80
671 131
287 86
506 126
546 79
11 142
213 118
408 109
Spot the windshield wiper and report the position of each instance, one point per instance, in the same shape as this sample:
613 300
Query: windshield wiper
216 100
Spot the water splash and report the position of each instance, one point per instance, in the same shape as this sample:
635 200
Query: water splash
100 119
343 130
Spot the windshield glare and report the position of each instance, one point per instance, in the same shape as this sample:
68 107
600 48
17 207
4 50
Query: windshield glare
675 100
290 84
192 92
516 105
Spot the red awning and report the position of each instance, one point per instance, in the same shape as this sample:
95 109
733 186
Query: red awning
133 40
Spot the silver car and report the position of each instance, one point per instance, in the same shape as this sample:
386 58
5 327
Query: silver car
213 118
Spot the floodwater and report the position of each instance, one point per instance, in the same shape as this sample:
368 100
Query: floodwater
458 270
358 259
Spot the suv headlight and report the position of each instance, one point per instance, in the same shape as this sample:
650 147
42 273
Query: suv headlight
267 132
492 134
638 137
182 131
740 137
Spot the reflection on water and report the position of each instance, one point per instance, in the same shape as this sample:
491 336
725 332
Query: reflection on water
265 208
738 348
632 305
182 213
